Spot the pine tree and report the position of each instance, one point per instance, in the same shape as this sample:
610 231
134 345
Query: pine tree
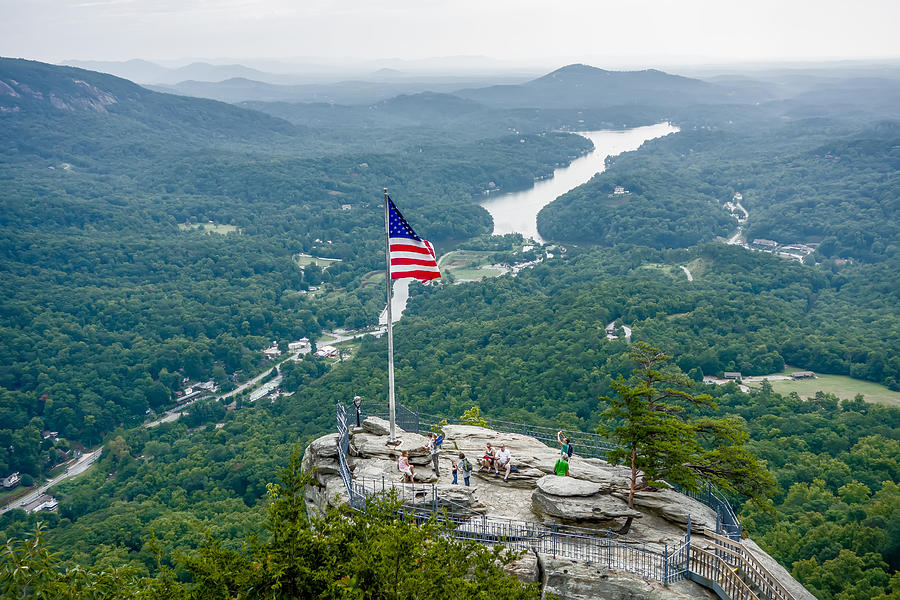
663 436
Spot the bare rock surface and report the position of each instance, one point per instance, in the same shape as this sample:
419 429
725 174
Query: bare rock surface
377 426
369 445
581 581
554 485
672 506
525 568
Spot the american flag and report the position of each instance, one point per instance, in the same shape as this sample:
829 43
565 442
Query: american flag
411 256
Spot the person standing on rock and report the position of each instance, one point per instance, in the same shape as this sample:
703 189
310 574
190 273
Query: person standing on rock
561 468
463 466
434 446
504 461
565 444
407 469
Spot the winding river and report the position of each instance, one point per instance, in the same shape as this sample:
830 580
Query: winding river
516 212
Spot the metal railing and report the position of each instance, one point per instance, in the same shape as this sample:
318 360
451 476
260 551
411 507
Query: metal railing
727 522
589 445
406 419
749 568
709 570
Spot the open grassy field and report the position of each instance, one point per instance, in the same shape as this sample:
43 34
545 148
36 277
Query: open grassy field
839 385
372 278
210 227
464 264
671 270
304 260
466 274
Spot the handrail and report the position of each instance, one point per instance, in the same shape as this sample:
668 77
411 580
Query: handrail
752 569
718 574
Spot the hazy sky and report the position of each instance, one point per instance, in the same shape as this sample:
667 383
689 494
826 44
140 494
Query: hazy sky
606 33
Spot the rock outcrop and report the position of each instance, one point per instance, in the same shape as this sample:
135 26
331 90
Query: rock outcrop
594 497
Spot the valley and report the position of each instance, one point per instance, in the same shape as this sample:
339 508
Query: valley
189 234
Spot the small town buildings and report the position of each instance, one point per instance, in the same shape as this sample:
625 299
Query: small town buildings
803 375
11 481
737 197
45 502
272 352
733 375
47 435
326 352
346 206
301 344
619 191
764 243
209 386
189 394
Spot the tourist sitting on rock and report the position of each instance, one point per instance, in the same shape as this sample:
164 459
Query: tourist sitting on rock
504 461
488 461
561 467
565 444
407 469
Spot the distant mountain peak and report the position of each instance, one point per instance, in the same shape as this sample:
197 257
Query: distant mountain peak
576 69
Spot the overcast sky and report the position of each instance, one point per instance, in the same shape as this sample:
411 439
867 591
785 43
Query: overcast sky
604 33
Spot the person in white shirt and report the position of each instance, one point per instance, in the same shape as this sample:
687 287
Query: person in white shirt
504 461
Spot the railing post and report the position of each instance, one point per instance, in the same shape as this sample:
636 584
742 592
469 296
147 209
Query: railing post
687 547
666 565
555 528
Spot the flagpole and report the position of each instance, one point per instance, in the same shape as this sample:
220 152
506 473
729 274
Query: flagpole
390 325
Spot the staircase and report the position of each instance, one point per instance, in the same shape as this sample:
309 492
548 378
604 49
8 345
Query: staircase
731 571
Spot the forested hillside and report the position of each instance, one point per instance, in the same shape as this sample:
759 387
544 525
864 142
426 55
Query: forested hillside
110 303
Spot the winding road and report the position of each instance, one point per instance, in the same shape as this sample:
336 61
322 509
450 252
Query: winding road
79 466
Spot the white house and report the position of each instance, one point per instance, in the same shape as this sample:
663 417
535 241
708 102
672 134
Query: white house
301 344
11 481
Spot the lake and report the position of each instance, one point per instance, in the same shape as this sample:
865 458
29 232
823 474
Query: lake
516 212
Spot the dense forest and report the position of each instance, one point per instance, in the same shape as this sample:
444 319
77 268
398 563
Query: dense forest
154 239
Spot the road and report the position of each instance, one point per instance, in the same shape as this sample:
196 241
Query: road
79 466
736 238
688 273
348 335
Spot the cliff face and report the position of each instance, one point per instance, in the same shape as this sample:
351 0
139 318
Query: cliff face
594 497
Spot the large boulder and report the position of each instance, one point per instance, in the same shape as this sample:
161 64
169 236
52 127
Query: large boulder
369 445
574 501
554 485
376 426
